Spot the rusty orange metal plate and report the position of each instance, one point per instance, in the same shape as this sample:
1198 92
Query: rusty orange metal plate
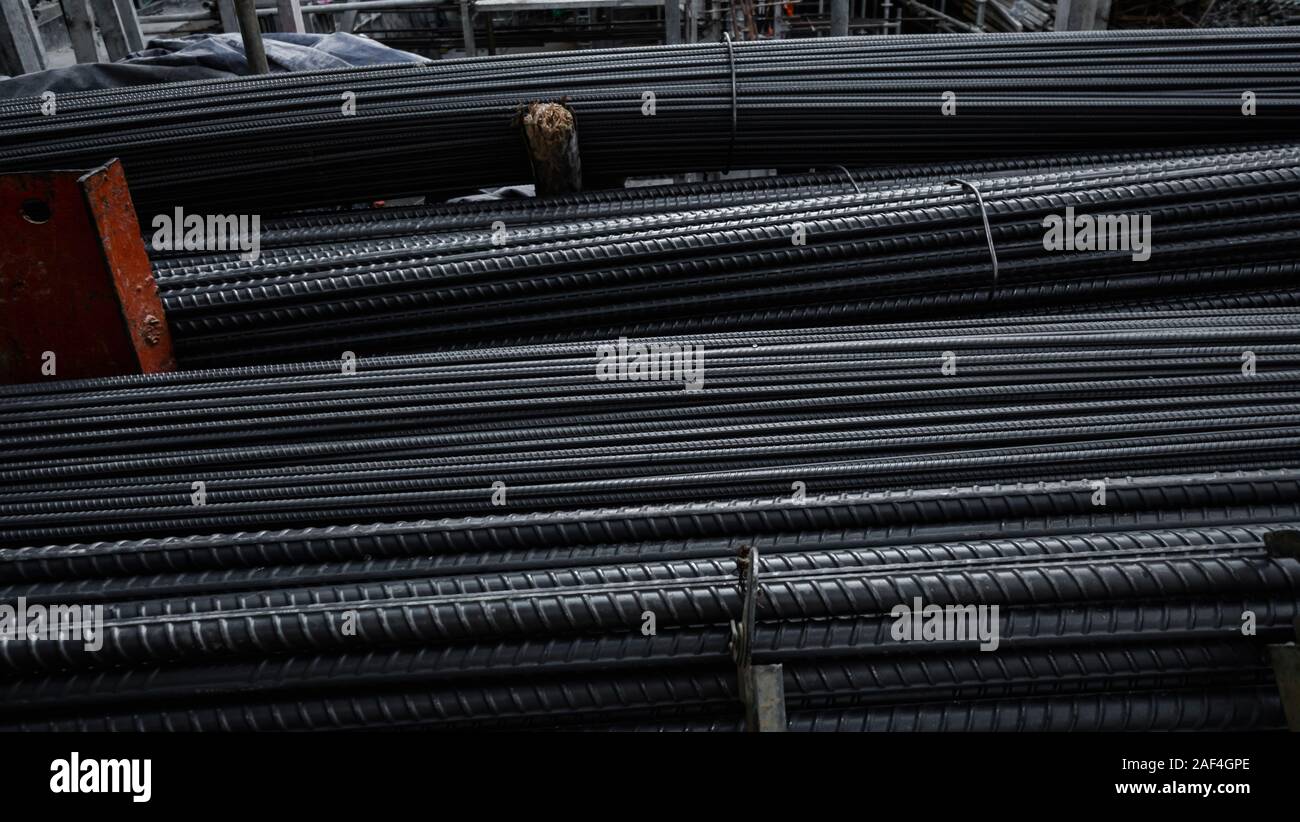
75 280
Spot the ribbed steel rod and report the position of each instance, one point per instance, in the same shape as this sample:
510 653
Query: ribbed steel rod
766 255
265 143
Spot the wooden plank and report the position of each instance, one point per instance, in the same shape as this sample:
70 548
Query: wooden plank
21 49
81 30
110 28
288 16
130 25
672 22
765 712
1286 666
467 27
229 20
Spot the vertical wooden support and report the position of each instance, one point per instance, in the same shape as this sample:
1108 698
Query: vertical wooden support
81 30
130 25
467 27
1286 658
1062 21
551 136
21 49
288 15
229 20
77 295
110 28
672 22
765 710
1286 667
839 18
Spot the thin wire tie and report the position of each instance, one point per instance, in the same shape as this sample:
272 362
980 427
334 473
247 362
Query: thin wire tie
851 180
731 61
988 230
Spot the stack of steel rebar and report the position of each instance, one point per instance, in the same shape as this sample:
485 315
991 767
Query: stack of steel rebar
307 139
515 537
1215 227
510 464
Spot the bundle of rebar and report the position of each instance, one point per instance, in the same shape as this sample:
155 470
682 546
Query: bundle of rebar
532 464
733 416
1212 227
540 537
1132 628
307 139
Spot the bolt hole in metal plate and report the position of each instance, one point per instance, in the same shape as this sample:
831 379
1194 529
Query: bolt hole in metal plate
35 211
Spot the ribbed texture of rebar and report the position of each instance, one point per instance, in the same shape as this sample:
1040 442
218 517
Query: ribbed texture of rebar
775 253
349 567
260 143
409 480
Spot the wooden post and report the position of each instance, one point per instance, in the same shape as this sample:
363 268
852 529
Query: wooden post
467 27
1286 667
229 20
672 22
130 25
551 135
288 15
21 49
81 30
110 28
